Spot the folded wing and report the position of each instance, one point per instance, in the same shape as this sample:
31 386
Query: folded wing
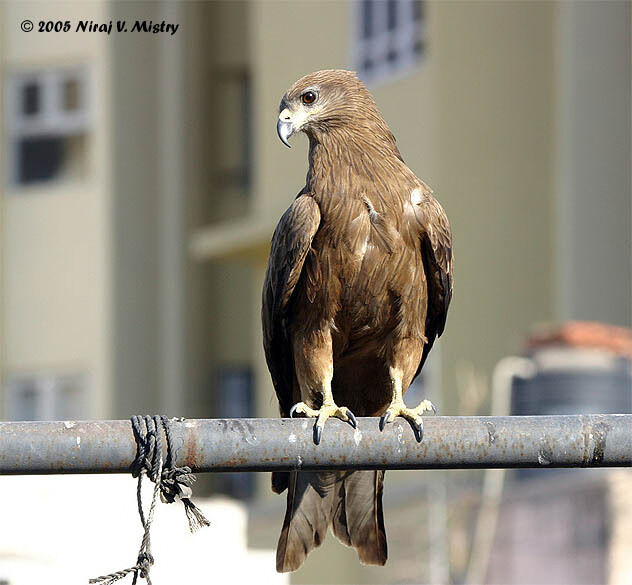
436 251
291 244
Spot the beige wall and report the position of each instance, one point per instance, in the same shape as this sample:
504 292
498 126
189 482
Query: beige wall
55 245
496 162
2 176
136 214
594 191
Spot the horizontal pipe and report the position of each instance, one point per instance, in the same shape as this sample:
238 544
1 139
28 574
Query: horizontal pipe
287 444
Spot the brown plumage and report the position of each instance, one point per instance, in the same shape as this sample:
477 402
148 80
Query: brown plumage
357 289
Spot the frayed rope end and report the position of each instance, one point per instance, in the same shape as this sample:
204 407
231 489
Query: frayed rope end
195 516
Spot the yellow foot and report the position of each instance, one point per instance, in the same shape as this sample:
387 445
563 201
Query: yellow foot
326 411
412 414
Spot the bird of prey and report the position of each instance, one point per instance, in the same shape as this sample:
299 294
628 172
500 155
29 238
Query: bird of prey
357 289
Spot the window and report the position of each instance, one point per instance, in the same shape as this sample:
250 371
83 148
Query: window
389 37
231 160
45 397
235 400
235 395
47 118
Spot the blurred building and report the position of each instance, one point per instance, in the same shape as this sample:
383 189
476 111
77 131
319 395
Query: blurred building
565 525
142 179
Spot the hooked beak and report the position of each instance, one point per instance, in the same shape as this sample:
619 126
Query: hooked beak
285 130
285 127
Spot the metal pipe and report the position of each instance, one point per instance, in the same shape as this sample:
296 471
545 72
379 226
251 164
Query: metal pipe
505 371
287 444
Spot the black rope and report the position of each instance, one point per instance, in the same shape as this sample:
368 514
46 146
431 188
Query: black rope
170 481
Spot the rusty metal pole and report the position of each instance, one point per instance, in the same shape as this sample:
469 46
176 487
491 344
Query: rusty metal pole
287 444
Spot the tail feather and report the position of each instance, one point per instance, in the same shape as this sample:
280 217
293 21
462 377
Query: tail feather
359 518
308 515
349 502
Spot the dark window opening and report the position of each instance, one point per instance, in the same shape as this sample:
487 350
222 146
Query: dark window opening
367 18
30 99
40 159
71 99
49 158
29 403
233 161
418 10
391 14
236 400
418 47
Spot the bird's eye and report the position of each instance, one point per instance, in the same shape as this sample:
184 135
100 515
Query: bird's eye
309 97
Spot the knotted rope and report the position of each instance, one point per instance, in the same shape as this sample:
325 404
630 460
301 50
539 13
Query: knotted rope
170 481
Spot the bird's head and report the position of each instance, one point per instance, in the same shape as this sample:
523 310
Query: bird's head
325 100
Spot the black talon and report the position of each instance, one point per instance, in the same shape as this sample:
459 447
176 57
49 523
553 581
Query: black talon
318 433
382 421
293 410
352 419
419 431
434 410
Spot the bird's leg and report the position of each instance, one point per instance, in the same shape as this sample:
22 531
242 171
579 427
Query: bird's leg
328 409
314 369
398 408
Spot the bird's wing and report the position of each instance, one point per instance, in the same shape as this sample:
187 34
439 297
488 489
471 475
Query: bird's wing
291 244
436 252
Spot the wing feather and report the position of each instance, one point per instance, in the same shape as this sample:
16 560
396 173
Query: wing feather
291 244
436 252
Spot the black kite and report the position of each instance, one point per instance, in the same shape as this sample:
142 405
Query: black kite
357 289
